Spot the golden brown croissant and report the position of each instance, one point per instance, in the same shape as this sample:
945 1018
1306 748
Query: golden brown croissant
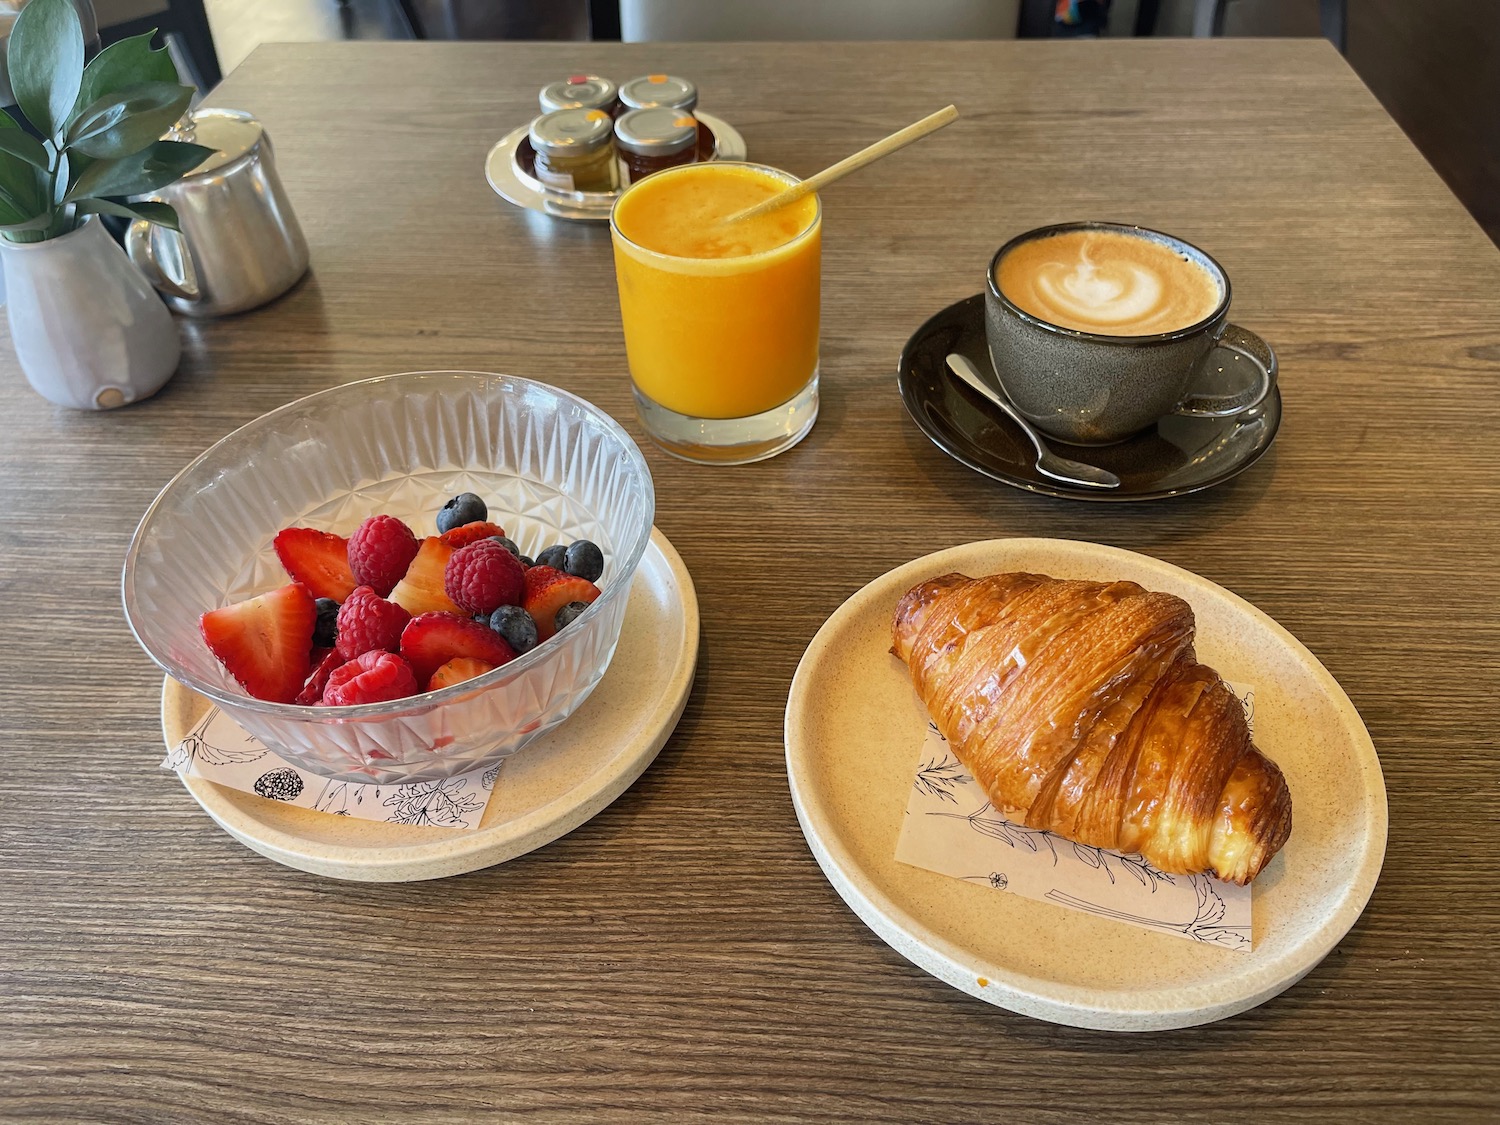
1080 707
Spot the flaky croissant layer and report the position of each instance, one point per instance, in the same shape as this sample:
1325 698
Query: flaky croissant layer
1080 708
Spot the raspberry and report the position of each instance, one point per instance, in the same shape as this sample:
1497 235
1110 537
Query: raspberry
380 550
367 622
372 677
484 576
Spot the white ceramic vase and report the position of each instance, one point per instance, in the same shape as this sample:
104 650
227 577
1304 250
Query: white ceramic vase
89 330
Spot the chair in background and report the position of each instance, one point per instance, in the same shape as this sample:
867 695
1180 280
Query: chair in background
1333 18
689 20
502 19
184 28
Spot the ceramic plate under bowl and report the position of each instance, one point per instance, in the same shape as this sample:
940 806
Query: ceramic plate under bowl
545 791
854 727
1177 456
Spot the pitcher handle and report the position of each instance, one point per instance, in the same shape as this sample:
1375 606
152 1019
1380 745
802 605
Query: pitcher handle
140 245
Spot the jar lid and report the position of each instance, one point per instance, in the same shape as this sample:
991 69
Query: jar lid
660 130
580 91
565 131
229 132
659 89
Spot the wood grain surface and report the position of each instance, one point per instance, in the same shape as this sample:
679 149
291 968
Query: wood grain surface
681 956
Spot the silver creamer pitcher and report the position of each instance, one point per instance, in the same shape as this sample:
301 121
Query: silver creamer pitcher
240 245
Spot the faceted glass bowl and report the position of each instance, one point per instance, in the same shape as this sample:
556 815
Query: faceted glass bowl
552 468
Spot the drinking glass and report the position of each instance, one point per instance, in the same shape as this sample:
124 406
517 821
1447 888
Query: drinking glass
721 320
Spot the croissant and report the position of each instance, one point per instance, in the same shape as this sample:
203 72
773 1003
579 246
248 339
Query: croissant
1080 707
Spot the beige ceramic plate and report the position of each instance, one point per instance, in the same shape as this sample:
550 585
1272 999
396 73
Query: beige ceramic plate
547 790
853 728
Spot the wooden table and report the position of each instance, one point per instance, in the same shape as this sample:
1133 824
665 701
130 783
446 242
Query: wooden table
682 955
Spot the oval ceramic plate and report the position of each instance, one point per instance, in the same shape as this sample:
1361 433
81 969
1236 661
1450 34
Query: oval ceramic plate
1177 456
543 792
854 726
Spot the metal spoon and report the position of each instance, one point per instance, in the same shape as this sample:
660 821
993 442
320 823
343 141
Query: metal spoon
1049 464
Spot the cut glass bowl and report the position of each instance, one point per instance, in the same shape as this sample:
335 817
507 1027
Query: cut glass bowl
552 468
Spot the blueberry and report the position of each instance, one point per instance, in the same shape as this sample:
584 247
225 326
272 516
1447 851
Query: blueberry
325 632
526 562
506 542
569 613
463 508
553 557
585 560
516 626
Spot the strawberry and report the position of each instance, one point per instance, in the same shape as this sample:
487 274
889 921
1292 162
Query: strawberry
317 559
372 677
421 589
548 590
380 550
367 621
433 639
312 690
457 670
471 533
264 641
484 576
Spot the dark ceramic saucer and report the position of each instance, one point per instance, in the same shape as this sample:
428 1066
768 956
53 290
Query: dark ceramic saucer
1179 456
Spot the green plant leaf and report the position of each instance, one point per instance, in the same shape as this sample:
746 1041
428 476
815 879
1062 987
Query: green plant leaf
128 120
11 215
18 142
35 223
126 63
60 178
161 214
45 59
153 167
22 196
78 164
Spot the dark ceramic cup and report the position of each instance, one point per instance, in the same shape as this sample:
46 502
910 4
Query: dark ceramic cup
1087 388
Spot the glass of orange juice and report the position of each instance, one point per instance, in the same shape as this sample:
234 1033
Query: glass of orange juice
721 320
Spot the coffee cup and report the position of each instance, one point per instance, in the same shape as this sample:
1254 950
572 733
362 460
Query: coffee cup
1098 330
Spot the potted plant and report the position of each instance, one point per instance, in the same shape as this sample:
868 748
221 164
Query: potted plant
89 331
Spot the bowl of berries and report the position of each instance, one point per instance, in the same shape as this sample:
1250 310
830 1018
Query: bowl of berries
400 579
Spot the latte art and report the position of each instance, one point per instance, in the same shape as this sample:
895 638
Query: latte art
1107 282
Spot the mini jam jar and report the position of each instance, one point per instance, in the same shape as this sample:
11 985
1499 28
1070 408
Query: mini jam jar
656 138
580 91
659 89
575 150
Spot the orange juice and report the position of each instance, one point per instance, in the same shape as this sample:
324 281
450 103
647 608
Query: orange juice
721 321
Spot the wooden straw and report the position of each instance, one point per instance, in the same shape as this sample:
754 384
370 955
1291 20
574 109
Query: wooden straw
901 139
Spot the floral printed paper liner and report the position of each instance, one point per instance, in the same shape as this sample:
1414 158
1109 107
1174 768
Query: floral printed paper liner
218 749
950 827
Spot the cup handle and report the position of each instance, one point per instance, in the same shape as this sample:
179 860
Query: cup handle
140 245
1258 353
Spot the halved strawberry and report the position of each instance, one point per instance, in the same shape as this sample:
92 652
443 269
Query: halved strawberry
317 680
548 590
264 641
421 590
457 670
471 533
317 559
433 639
